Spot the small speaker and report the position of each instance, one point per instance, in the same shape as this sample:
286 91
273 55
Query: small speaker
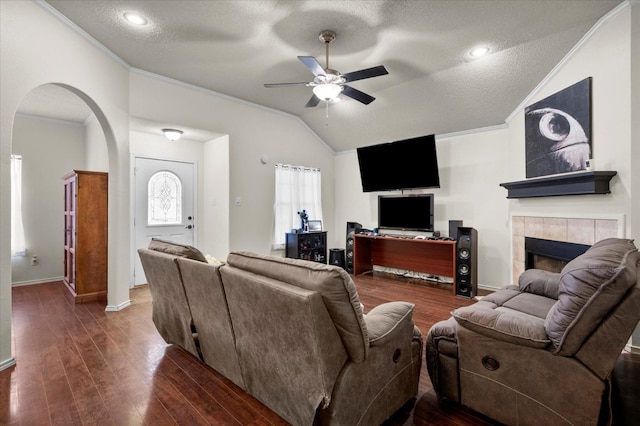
453 229
466 262
336 257
353 228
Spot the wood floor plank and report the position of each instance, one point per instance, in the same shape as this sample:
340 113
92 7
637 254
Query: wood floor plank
80 365
9 399
217 387
209 408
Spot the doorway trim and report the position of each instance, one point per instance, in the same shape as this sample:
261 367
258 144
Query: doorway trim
132 206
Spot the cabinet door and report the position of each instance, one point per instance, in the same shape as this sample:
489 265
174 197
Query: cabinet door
70 194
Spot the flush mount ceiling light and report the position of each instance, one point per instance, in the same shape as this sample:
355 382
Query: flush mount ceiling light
172 134
135 18
479 51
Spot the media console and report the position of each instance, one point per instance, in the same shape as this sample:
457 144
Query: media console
436 257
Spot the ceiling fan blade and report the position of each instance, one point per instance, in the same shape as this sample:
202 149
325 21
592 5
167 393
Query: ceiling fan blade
357 95
284 84
313 64
314 101
366 73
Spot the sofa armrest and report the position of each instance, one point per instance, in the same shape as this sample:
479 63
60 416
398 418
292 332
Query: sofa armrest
384 319
540 282
524 330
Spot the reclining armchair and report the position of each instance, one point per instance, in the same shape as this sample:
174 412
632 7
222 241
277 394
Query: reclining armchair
542 352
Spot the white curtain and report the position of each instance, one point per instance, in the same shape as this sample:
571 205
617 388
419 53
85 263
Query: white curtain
17 228
297 189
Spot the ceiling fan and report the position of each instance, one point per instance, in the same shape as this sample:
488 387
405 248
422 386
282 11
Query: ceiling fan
329 83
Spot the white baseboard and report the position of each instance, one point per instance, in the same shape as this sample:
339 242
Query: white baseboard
116 308
632 348
7 363
488 288
39 281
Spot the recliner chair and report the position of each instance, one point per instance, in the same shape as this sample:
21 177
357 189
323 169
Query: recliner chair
542 352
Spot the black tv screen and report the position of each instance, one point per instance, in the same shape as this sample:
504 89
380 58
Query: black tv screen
406 164
406 212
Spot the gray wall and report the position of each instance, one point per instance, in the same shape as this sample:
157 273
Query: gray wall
49 150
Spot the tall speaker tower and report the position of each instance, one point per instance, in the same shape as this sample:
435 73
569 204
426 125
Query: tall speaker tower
352 229
467 262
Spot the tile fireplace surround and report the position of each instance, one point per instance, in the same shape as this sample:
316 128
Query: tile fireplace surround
572 230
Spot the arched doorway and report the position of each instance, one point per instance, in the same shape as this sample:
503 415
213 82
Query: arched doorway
61 129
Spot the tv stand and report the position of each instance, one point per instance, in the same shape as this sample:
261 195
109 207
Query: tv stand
436 257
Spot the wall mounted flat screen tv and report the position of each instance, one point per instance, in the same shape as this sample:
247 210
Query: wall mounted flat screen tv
405 164
406 212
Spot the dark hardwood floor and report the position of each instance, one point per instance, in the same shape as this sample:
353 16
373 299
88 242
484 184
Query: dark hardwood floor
80 365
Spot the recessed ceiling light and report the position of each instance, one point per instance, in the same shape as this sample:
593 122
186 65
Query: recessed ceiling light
135 18
479 51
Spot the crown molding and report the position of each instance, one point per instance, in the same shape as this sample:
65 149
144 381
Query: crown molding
210 92
82 33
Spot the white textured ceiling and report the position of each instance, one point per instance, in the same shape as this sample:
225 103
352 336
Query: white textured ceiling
233 47
55 102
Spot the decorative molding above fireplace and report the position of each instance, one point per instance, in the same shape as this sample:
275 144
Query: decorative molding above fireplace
568 184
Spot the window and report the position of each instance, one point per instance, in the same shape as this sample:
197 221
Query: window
18 245
164 199
297 188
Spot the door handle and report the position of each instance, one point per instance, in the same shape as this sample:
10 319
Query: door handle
189 227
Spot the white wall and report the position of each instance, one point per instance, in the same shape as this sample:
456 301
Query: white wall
215 198
49 150
635 129
611 56
97 156
252 131
37 49
606 57
471 168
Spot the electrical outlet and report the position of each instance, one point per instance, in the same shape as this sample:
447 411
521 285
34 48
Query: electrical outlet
34 260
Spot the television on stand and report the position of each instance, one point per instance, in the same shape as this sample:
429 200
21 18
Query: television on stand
406 212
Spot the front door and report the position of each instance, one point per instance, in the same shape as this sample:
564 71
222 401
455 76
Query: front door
164 205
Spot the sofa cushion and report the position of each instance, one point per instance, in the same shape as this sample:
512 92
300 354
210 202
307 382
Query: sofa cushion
385 318
180 250
590 286
333 283
506 325
540 282
531 304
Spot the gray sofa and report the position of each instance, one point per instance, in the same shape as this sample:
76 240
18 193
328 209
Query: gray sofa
291 333
542 352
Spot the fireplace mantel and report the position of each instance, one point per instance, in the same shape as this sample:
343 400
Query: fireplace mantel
593 182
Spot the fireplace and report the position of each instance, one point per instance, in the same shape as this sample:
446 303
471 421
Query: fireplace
550 255
578 230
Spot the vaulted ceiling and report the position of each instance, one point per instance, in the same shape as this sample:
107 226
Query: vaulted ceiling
433 85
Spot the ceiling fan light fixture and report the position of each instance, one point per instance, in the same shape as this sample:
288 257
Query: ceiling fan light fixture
172 134
327 92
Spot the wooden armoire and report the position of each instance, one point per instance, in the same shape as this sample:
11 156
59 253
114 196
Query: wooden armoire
85 235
